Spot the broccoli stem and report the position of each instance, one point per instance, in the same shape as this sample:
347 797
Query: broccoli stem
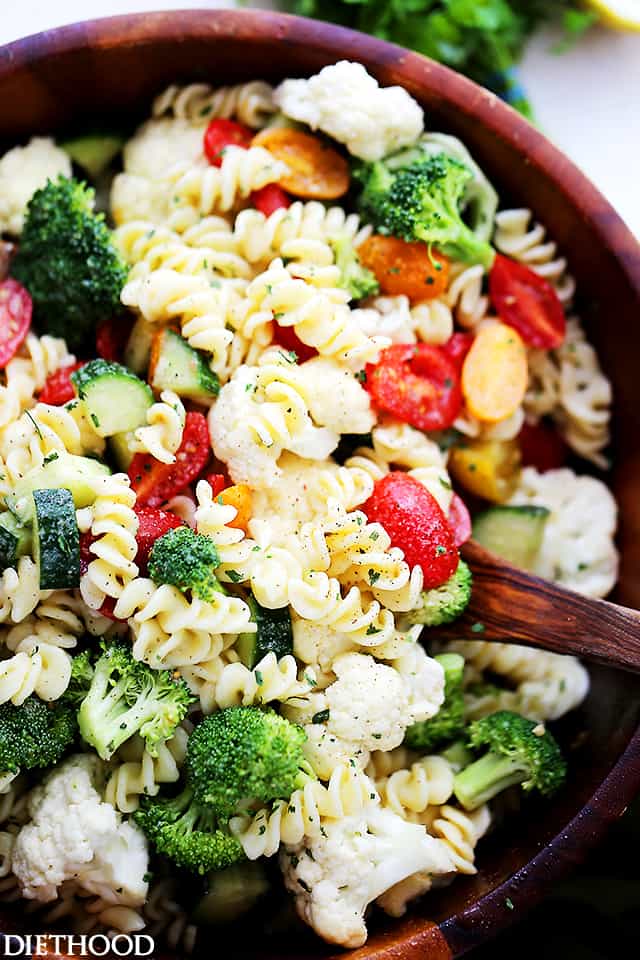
484 779
113 720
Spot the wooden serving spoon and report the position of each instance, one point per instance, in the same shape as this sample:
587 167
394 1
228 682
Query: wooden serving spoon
509 605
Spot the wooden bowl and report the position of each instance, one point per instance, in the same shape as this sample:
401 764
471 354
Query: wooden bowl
108 70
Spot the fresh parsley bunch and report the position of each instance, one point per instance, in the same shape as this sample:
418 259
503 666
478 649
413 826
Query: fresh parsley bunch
482 38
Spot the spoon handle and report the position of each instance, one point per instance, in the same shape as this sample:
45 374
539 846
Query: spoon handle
511 606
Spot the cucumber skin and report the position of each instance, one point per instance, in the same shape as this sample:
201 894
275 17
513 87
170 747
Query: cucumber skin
94 378
56 539
184 370
8 549
67 470
274 635
15 540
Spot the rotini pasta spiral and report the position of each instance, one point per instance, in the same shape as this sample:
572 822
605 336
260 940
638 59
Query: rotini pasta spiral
27 372
459 831
271 679
320 317
138 774
252 103
163 434
200 190
36 434
114 526
19 591
202 311
39 668
428 782
261 834
465 297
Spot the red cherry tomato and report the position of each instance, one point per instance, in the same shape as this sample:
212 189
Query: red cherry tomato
15 318
527 302
111 338
58 388
156 482
415 523
152 524
418 384
457 347
218 482
223 133
459 520
288 339
269 199
542 447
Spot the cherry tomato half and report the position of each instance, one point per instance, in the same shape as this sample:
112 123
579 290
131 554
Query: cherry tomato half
111 338
58 388
542 447
287 338
223 133
527 302
269 199
457 347
156 482
415 523
418 384
15 318
405 268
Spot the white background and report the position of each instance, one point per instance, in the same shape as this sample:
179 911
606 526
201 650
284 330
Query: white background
587 100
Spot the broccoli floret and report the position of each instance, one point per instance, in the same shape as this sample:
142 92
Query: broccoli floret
446 603
128 697
34 734
187 560
448 722
68 262
420 197
358 280
520 751
188 833
81 677
245 753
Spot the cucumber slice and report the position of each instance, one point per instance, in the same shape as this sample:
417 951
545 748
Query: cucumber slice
94 151
138 348
56 539
116 400
231 893
514 533
77 474
15 540
177 366
274 634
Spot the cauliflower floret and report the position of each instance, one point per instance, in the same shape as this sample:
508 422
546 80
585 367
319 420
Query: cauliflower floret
159 144
577 548
250 435
325 751
318 646
334 877
344 101
370 704
74 835
23 170
338 399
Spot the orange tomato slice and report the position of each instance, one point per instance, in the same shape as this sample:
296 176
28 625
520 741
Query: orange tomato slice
488 468
316 170
495 374
238 496
405 268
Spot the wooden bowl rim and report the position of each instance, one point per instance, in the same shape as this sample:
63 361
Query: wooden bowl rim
490 912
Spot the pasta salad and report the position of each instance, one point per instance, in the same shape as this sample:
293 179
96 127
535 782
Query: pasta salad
241 410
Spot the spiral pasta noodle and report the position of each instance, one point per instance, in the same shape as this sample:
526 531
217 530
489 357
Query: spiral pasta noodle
27 372
262 833
235 550
459 831
465 297
252 103
19 591
271 679
428 782
163 434
205 189
39 668
138 774
114 526
36 434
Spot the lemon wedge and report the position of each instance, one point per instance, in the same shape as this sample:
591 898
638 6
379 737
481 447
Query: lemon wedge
621 14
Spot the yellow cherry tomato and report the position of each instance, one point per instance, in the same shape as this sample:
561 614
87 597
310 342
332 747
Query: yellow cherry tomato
316 170
238 496
488 468
495 374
